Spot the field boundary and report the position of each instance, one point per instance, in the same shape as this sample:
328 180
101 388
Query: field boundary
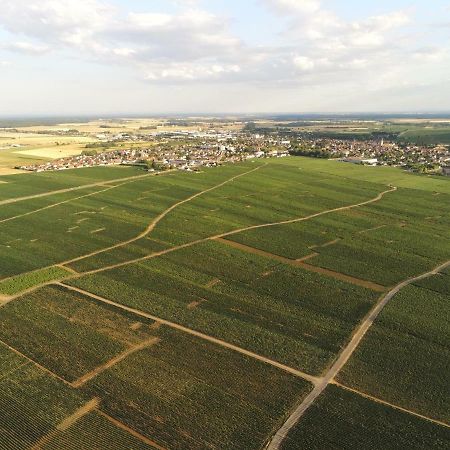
76 188
134 433
312 379
392 405
343 357
113 361
300 263
224 235
151 226
67 422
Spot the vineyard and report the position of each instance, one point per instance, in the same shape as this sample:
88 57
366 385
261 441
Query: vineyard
201 310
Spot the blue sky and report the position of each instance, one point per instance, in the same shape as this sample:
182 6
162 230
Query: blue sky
155 56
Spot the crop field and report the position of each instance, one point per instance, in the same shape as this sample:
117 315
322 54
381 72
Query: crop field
404 356
19 148
25 281
32 403
276 310
344 420
63 331
93 222
204 401
198 310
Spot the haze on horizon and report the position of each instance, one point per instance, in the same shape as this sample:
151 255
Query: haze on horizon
65 57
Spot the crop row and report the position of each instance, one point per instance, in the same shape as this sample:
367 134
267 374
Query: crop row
403 357
215 398
286 313
64 332
343 420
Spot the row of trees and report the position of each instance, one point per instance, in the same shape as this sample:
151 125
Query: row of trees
315 153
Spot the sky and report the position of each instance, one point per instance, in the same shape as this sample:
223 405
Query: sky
71 57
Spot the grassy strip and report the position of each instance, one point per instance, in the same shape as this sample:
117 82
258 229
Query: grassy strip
20 283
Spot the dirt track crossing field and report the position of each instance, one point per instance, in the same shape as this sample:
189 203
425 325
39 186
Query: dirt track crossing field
344 356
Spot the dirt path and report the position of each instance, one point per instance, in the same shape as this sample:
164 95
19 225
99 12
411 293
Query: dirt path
300 263
4 299
131 431
312 216
224 235
75 188
54 205
198 334
343 357
158 219
67 423
77 415
378 400
43 368
112 362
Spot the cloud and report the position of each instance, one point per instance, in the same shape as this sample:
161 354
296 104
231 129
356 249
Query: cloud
183 45
25 47
294 6
315 47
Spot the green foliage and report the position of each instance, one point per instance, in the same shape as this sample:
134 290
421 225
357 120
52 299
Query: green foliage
65 332
89 152
273 309
403 357
25 281
32 404
215 398
342 420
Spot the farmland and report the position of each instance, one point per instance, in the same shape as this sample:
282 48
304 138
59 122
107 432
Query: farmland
199 310
343 420
411 333
21 148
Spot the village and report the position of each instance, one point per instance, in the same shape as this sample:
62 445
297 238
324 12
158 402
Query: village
191 149
183 150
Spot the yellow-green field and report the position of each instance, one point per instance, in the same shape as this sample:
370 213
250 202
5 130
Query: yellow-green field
23 148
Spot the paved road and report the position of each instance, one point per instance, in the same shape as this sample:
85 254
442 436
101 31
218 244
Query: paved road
343 357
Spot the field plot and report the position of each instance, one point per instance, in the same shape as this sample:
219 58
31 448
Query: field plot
296 317
32 403
343 420
20 283
67 333
22 185
406 238
88 224
439 283
405 355
216 398
272 194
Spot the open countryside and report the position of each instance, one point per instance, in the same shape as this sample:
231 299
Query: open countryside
224 225
302 290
